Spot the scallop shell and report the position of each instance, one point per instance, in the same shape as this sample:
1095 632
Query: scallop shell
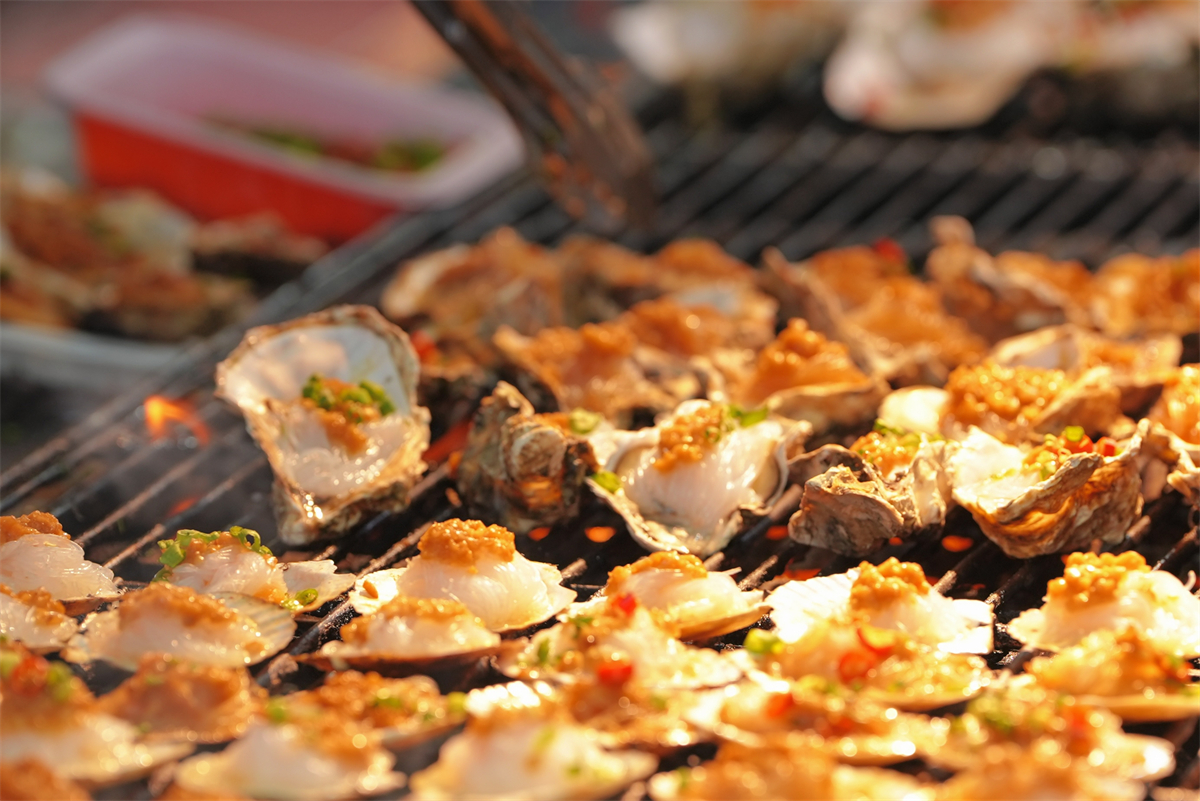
656 535
265 375
859 784
275 627
22 560
849 507
306 575
1090 497
521 470
694 627
126 762
1014 772
40 630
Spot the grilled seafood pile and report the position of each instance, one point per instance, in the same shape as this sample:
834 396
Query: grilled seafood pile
684 418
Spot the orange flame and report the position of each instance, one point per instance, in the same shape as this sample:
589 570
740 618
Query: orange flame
540 533
955 544
777 532
182 505
600 533
161 411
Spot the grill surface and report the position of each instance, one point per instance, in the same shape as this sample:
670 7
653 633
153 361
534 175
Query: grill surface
802 185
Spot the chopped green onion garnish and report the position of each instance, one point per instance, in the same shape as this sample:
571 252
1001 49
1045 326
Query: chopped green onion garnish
748 417
762 643
8 663
583 422
456 703
1073 433
276 711
543 651
607 481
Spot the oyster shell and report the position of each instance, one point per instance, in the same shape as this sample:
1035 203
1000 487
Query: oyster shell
702 604
893 595
891 483
35 620
1107 592
477 566
223 631
1029 505
917 409
1173 432
1124 672
523 469
1138 368
686 483
32 779
329 469
893 324
1134 295
36 554
173 700
409 635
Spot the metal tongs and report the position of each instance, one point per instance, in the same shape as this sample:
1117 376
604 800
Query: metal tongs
580 137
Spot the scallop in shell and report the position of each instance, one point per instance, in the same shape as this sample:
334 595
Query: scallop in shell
1135 294
524 469
701 603
1060 496
225 631
409 635
36 554
686 483
478 566
1039 771
35 620
331 399
889 483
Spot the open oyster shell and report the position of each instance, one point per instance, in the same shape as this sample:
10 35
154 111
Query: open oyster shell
852 507
321 488
1087 497
1173 432
36 554
1134 294
697 505
898 330
522 469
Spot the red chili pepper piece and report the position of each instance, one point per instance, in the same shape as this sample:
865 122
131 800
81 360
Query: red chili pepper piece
889 249
1083 445
615 671
855 665
626 603
423 344
1106 446
29 676
778 704
878 641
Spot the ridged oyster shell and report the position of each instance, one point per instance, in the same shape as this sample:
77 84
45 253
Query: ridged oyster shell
320 489
521 469
1088 497
698 506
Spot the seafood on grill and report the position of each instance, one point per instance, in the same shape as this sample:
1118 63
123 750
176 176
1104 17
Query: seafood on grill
800 375
1134 294
885 665
782 767
688 483
221 631
1109 592
478 566
37 555
1174 431
523 469
30 779
331 399
621 643
409 635
895 596
853 729
1123 671
890 483
34 619
236 561
171 699
298 751
702 604
1057 496
47 712
404 711
524 745
893 324
1026 716
1038 771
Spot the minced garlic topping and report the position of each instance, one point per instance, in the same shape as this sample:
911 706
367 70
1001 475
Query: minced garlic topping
1178 408
463 542
887 450
1108 663
169 695
878 587
13 528
756 772
799 357
687 564
38 599
684 331
161 599
1016 394
379 702
1094 578
436 610
688 437
32 780
39 694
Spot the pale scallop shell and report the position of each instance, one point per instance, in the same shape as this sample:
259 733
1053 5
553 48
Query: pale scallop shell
41 631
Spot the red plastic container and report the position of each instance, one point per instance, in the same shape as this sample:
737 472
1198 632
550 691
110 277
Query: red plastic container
146 90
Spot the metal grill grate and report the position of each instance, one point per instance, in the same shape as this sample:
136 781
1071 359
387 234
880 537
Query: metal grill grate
800 187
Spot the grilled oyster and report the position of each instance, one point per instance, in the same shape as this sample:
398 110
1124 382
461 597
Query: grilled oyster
30 779
1059 496
524 469
46 711
894 325
409 635
686 483
1139 295
37 555
1124 672
331 399
224 631
174 700
35 619
702 604
1173 430
478 566
894 595
1111 592
889 483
